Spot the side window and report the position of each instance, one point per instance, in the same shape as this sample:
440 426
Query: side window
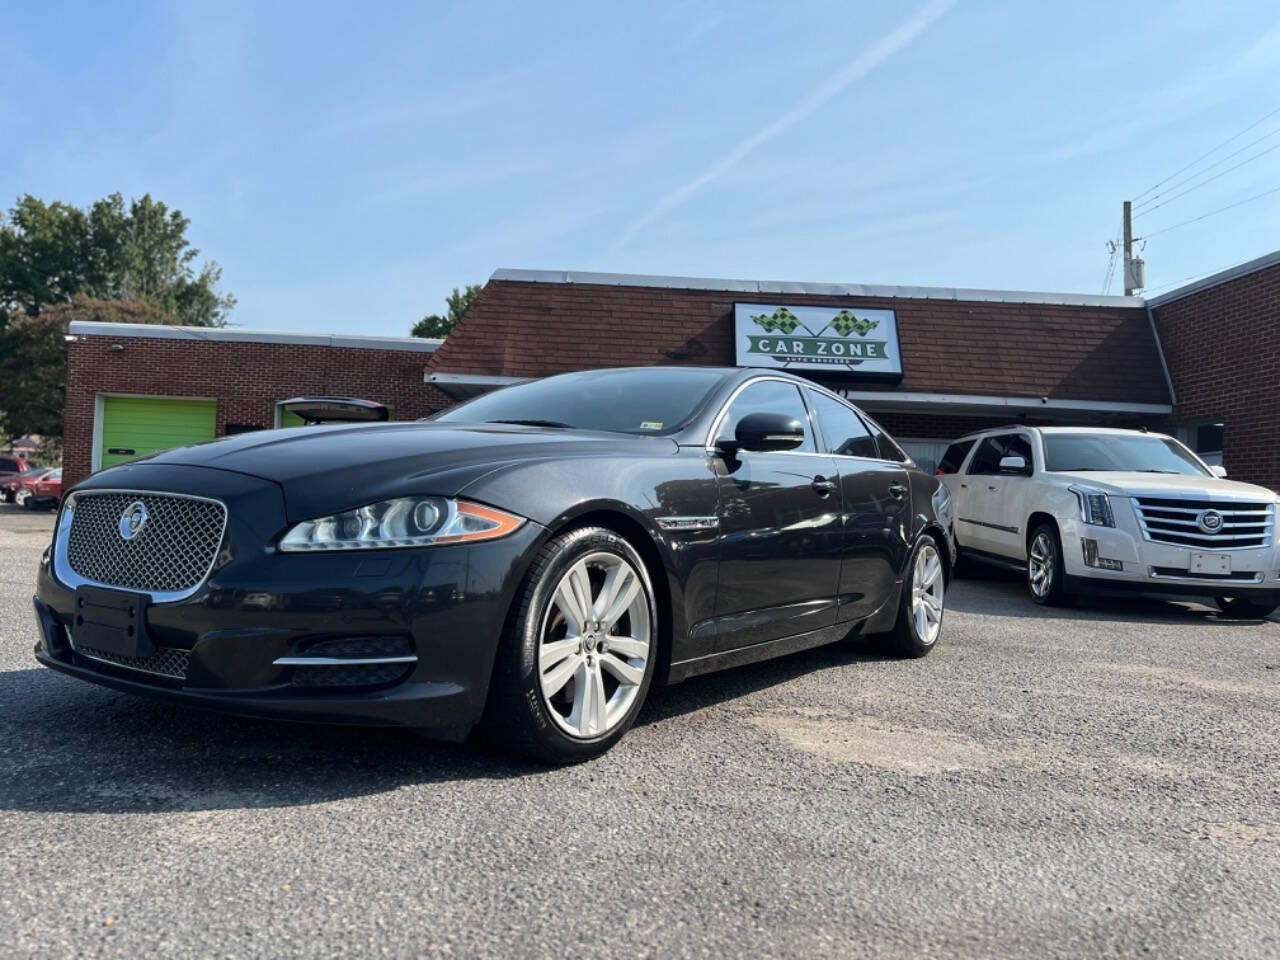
889 449
9 466
954 456
842 432
768 396
987 459
1018 446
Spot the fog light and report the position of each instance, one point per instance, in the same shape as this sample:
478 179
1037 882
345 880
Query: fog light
1091 558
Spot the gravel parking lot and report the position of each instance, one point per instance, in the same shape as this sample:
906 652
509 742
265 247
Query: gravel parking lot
1095 782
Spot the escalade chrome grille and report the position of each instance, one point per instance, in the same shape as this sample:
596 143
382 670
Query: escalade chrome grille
171 552
1178 522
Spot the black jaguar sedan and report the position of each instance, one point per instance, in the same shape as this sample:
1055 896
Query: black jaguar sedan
532 560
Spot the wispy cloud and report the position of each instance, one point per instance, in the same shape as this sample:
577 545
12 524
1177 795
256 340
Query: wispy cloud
882 50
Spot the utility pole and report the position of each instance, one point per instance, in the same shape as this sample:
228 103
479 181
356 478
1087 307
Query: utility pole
1128 248
1135 268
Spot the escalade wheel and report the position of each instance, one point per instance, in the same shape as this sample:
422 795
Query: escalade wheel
919 623
578 656
1244 608
1044 567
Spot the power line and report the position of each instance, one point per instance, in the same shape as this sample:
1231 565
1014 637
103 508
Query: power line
1194 176
1230 206
1205 183
1194 276
1182 170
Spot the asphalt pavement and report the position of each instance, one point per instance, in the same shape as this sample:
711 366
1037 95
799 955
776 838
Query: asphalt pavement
1095 782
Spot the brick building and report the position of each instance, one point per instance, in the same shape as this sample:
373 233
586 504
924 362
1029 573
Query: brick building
933 363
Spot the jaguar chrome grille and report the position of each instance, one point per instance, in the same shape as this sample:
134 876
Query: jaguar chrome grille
170 553
165 662
1240 525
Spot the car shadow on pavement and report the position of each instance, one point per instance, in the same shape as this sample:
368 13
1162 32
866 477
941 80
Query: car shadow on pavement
69 746
998 593
708 690
72 747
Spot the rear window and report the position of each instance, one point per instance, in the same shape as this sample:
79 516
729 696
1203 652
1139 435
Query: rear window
954 456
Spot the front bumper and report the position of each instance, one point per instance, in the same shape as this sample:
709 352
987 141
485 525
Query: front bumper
445 606
1152 568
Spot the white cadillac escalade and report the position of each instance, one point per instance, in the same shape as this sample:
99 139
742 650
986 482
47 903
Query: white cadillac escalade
1093 510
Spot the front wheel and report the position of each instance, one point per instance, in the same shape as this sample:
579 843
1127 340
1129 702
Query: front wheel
1045 567
576 661
23 498
1242 608
919 623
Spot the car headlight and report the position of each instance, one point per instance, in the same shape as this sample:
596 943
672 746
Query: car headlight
1095 507
403 522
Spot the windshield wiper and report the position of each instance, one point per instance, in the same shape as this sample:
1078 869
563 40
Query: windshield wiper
536 423
1176 473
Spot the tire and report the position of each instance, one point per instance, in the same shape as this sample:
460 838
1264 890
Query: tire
6 496
1242 608
23 498
916 631
558 701
1044 553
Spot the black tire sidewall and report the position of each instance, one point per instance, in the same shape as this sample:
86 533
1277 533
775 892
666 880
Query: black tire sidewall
904 640
542 735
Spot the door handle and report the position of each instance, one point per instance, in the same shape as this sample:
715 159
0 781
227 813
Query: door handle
897 490
964 486
822 486
996 489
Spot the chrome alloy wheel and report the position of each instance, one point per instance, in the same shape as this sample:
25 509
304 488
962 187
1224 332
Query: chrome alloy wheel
1040 565
594 645
927 585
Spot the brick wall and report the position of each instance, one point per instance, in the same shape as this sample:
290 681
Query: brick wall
247 379
521 328
1222 345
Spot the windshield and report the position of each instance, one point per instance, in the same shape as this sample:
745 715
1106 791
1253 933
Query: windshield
649 401
1069 452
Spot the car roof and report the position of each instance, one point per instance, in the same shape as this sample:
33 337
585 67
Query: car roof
1118 431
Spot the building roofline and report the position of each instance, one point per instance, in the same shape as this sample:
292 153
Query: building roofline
1216 279
93 328
876 291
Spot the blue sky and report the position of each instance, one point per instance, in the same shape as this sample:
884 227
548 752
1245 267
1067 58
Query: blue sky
347 164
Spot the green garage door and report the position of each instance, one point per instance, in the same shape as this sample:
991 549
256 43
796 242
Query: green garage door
136 426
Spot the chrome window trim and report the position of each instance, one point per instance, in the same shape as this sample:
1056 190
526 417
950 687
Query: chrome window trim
63 572
710 445
861 419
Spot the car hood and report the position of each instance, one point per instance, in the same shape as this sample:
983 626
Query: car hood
324 469
1169 485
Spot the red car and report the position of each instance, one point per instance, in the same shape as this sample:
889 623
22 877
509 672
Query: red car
13 467
42 491
10 482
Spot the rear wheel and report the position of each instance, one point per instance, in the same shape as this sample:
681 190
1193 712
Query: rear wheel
919 623
577 658
1243 608
1045 568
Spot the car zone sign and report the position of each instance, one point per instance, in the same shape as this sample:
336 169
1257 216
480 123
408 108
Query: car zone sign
854 340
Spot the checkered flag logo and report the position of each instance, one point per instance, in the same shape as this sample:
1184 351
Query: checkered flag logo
781 319
846 323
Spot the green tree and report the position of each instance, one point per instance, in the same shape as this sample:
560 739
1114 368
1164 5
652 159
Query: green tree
33 361
434 325
49 252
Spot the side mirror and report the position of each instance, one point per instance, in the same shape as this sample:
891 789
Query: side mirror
1017 465
768 432
1219 471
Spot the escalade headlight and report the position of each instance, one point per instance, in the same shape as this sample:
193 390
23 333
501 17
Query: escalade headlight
1095 507
403 522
